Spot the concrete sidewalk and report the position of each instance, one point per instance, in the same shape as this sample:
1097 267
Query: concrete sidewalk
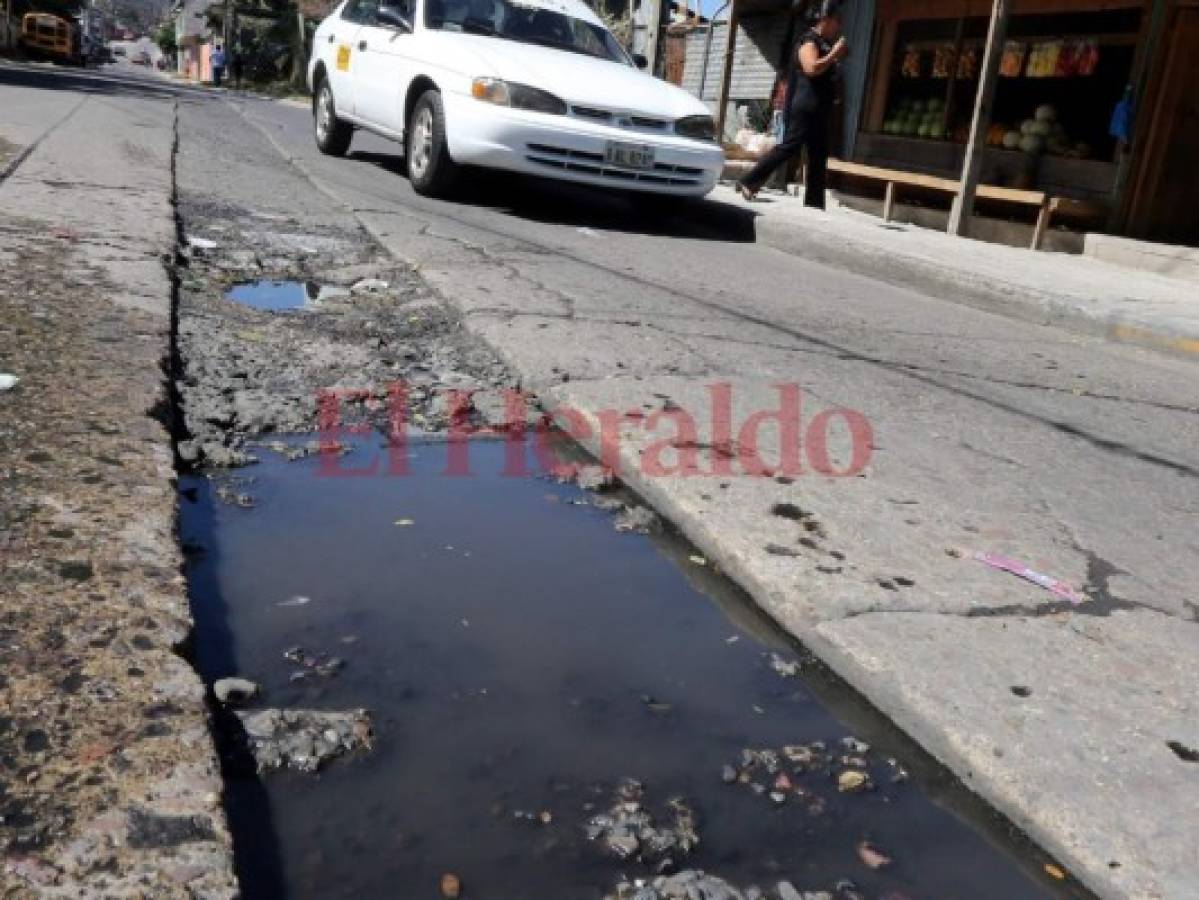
109 784
1076 292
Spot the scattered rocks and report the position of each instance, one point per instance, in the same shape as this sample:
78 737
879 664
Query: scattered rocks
695 884
235 691
629 831
334 362
303 739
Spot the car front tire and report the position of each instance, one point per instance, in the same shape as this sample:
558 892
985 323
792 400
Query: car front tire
430 168
332 134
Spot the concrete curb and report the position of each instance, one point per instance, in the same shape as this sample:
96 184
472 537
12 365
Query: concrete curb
960 285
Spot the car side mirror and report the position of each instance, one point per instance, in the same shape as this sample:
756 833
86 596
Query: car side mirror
392 17
640 61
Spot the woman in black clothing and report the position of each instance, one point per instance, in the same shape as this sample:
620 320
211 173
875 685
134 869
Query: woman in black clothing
810 90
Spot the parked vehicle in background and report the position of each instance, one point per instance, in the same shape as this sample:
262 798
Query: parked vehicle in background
533 86
141 58
51 37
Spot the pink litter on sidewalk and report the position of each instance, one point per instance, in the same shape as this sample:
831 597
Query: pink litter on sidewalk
1055 586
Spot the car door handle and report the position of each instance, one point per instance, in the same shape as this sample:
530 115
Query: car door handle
362 45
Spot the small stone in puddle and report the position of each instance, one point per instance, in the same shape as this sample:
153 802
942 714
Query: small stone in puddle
594 478
852 780
728 774
636 519
303 739
451 885
234 691
785 667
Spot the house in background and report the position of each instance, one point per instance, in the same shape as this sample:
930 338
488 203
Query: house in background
193 38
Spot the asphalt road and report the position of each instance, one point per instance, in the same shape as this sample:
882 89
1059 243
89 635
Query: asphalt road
1075 456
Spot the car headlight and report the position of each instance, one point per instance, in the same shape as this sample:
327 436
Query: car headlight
518 96
699 128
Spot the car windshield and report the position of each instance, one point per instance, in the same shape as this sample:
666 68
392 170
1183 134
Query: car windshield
524 22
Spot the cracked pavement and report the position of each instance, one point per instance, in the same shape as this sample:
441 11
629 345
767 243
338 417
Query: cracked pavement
1072 455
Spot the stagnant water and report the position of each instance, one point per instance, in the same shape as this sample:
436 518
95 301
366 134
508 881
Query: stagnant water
274 295
519 655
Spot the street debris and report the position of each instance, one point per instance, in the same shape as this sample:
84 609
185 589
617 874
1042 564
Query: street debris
203 245
592 477
1055 586
788 668
369 286
234 691
629 831
695 884
7 381
636 520
852 780
451 886
227 493
309 664
303 739
872 857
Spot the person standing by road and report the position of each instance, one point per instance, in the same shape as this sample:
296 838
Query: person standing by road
218 65
237 68
811 87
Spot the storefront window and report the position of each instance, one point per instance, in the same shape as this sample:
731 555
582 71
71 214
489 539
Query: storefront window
1061 77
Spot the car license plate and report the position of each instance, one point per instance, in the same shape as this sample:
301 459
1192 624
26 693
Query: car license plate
629 156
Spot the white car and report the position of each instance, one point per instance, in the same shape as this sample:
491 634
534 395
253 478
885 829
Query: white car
533 86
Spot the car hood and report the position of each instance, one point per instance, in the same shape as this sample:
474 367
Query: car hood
581 79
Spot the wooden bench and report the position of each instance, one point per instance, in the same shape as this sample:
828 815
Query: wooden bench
1046 205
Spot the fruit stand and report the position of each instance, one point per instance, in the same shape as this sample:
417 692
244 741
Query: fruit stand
1063 67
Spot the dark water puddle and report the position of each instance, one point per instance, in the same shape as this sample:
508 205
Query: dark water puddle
274 295
520 657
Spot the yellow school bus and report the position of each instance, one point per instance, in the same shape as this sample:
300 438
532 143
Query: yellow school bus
50 36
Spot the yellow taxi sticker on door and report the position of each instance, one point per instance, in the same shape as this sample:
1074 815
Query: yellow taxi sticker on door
343 58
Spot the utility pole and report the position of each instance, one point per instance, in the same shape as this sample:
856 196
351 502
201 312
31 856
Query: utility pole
726 75
657 14
963 203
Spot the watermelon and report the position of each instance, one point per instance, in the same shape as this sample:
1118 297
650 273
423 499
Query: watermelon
1045 113
1032 143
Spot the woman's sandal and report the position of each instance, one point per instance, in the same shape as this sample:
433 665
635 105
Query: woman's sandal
746 194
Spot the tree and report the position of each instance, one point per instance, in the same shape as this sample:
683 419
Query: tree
165 39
